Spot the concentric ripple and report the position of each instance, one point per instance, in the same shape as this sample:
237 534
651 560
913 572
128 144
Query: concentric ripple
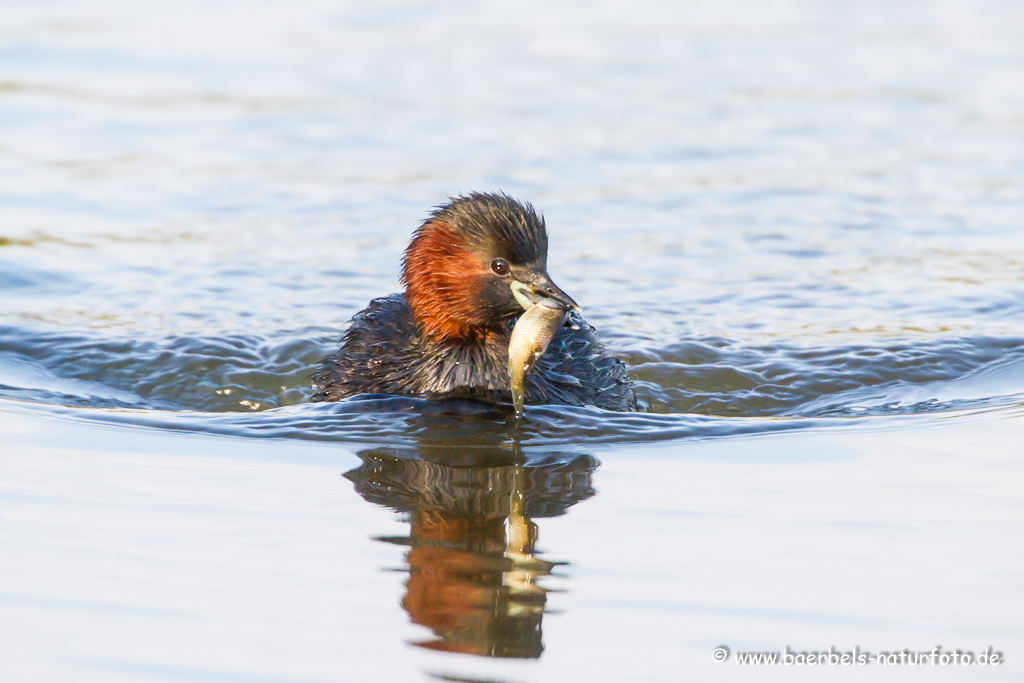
255 386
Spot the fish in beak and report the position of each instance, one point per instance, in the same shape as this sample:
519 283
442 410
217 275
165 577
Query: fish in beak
547 308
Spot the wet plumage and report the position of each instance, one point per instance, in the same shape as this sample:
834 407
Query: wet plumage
470 271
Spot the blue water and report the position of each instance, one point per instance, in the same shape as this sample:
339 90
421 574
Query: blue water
798 223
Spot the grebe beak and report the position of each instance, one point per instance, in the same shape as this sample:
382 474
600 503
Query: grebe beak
539 287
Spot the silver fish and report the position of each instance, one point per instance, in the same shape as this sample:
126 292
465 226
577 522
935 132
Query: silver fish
530 338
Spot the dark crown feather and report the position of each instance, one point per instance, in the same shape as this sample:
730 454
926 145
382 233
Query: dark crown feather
495 217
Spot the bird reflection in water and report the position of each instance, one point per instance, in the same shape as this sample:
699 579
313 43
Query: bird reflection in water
473 569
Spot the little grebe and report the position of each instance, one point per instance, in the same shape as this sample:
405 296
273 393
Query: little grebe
470 271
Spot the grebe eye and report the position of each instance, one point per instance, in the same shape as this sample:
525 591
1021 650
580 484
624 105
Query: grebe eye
500 267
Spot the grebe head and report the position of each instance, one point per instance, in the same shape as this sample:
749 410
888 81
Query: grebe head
475 262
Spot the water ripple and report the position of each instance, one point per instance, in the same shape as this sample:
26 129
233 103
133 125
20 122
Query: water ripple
255 386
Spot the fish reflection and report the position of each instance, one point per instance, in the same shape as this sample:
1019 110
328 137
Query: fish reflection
473 571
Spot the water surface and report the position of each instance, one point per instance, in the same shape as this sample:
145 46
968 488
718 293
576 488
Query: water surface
798 223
